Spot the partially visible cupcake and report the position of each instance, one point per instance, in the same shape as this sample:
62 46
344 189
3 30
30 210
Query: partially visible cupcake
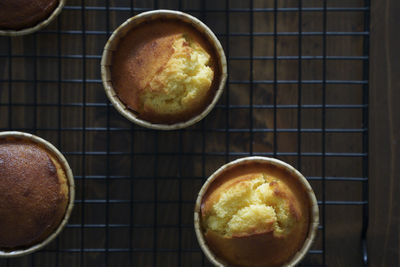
36 193
163 68
256 212
18 17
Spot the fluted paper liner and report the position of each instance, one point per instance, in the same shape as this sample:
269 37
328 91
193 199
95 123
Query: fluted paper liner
40 25
133 22
71 185
314 220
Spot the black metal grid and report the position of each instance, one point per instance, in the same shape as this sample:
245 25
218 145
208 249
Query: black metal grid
50 85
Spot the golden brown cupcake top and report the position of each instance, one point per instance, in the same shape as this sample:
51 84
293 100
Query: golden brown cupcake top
255 216
21 14
165 71
33 193
251 204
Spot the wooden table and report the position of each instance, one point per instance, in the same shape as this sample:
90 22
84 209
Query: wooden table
384 136
136 187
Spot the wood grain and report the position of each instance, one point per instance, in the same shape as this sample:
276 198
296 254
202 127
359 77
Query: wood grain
384 162
158 174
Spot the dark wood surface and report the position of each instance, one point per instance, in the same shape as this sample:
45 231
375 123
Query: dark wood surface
158 174
384 162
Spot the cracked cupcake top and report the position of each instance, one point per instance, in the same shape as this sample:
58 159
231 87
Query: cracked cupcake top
165 71
182 82
249 205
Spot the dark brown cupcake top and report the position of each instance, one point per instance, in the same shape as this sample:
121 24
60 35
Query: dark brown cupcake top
33 194
21 14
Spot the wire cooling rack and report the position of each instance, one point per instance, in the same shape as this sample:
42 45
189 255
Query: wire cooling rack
297 91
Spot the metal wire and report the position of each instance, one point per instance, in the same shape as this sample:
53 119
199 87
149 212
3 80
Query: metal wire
83 162
82 251
365 137
323 167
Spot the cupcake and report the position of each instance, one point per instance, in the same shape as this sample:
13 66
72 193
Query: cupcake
163 69
18 17
256 212
36 193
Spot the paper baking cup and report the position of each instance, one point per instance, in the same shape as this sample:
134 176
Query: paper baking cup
135 21
268 161
49 147
38 26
